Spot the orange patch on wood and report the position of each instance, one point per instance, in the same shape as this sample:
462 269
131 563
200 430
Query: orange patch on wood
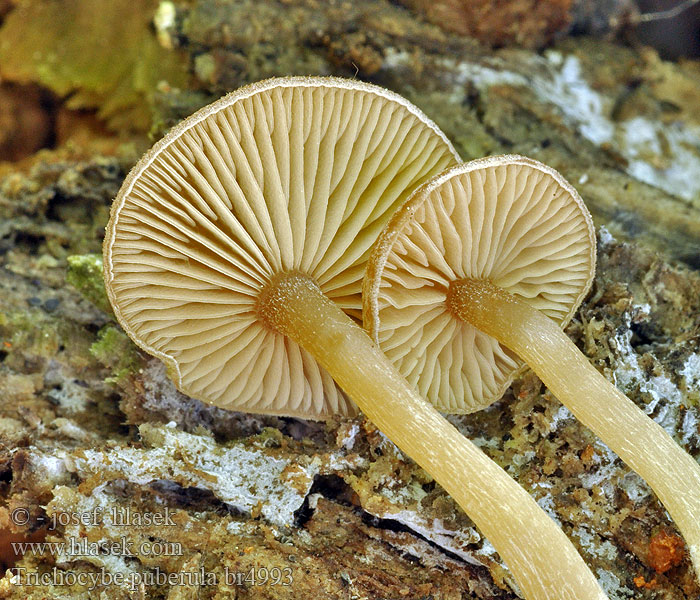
640 582
587 453
665 551
528 23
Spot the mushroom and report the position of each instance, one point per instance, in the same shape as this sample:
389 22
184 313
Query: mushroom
235 253
483 266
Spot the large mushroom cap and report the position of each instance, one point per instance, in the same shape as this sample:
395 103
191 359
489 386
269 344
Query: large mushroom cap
507 219
293 174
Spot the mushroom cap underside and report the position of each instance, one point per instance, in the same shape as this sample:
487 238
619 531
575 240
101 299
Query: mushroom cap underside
507 219
290 174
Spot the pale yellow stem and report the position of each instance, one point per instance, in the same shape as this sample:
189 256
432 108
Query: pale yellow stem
542 559
670 471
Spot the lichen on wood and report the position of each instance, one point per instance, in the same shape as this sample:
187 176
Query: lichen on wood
365 520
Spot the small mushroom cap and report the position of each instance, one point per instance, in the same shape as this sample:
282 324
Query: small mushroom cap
291 174
508 219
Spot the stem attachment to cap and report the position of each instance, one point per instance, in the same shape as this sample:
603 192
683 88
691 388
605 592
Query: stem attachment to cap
638 440
542 559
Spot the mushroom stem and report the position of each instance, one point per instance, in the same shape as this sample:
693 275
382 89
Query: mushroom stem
670 471
542 559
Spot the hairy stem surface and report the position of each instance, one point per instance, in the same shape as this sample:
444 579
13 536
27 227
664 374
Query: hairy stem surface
643 444
542 559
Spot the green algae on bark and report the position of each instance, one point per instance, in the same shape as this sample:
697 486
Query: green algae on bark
85 274
115 351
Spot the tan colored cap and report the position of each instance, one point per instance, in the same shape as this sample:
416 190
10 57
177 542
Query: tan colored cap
293 174
507 219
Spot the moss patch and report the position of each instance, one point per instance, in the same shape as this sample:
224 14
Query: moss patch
85 274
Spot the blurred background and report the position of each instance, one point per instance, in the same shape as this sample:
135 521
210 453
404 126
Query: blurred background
89 70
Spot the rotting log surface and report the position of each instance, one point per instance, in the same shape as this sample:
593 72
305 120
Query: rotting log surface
348 510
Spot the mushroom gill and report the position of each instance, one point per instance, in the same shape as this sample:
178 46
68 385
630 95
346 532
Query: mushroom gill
236 250
295 175
482 268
